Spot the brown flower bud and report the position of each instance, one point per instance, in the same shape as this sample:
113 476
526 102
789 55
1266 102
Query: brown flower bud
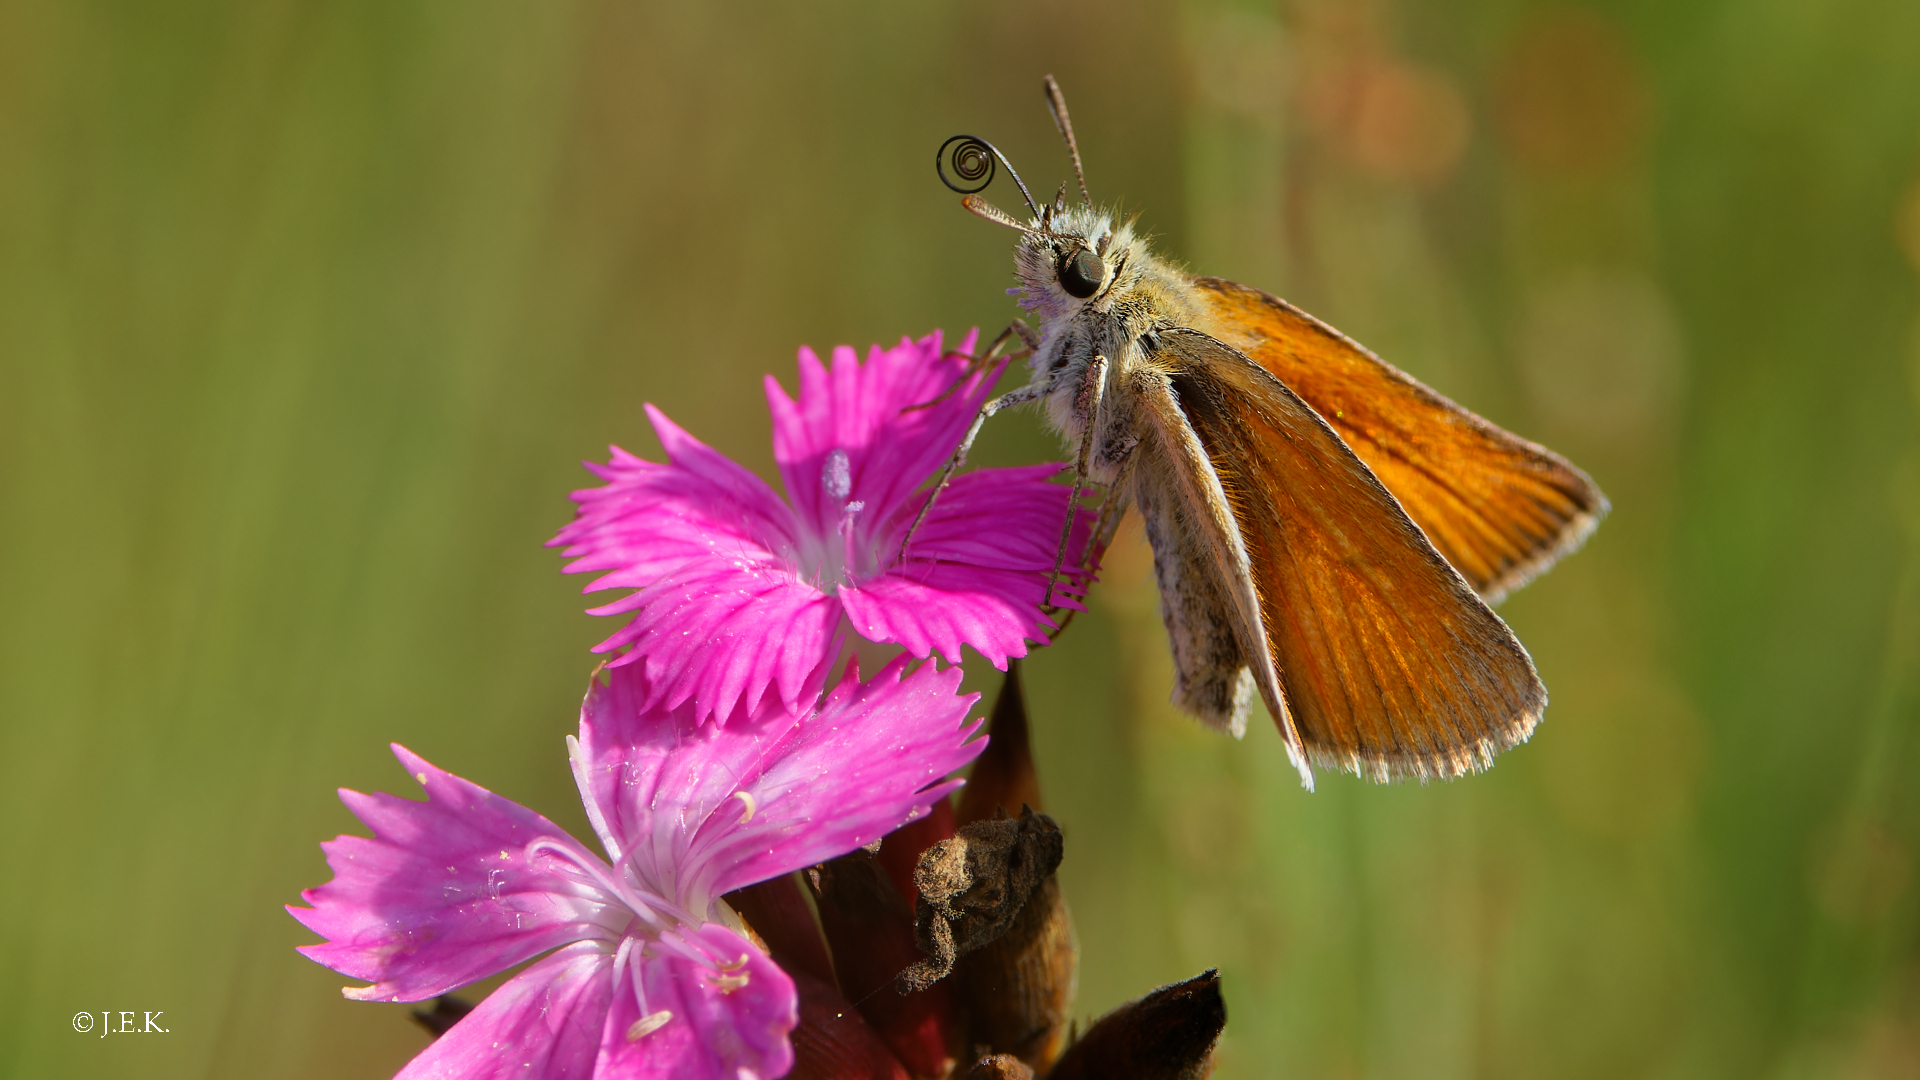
1167 1035
777 912
1016 991
833 1042
1003 777
870 928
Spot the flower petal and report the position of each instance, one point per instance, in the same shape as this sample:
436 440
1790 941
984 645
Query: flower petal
993 610
543 1024
649 520
697 811
871 760
739 593
726 1019
443 894
864 411
967 584
1024 509
722 636
721 615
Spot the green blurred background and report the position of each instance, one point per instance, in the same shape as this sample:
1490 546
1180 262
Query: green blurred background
308 312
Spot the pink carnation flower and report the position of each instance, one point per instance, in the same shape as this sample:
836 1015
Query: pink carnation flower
649 974
740 591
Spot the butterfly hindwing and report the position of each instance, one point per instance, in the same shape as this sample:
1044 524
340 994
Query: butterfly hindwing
1204 627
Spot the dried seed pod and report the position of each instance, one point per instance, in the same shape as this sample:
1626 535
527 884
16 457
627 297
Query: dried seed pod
1003 777
870 930
833 1042
1016 991
900 850
990 913
1167 1035
778 913
974 885
1000 1067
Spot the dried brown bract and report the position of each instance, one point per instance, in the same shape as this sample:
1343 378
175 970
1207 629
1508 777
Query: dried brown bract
973 886
1015 992
977 920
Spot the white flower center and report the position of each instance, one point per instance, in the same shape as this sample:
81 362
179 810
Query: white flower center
644 923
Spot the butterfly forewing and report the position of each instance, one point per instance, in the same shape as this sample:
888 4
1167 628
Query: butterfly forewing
1388 662
1501 509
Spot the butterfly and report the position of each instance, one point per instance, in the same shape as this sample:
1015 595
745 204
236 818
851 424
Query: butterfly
1328 533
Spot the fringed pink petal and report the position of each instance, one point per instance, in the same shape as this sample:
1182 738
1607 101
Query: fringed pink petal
872 759
1000 519
727 1018
995 611
721 639
543 1024
866 413
710 809
651 519
739 595
443 894
963 584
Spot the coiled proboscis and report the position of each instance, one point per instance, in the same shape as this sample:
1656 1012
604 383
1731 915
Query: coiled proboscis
972 160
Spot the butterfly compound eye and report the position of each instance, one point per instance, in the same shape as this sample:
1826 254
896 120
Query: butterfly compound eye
1082 273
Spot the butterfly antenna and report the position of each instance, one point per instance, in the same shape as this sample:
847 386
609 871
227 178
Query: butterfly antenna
973 162
1058 103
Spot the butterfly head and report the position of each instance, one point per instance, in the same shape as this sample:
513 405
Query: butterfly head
1070 258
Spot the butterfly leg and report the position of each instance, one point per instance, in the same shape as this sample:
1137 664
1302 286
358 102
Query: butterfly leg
1086 408
1112 509
1029 392
977 364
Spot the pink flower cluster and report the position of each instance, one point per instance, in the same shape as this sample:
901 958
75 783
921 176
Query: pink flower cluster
711 755
741 592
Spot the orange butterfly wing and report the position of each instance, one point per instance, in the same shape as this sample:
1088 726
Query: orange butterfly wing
1501 509
1388 663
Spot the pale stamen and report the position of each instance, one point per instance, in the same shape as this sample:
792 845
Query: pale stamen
849 557
648 1024
582 770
